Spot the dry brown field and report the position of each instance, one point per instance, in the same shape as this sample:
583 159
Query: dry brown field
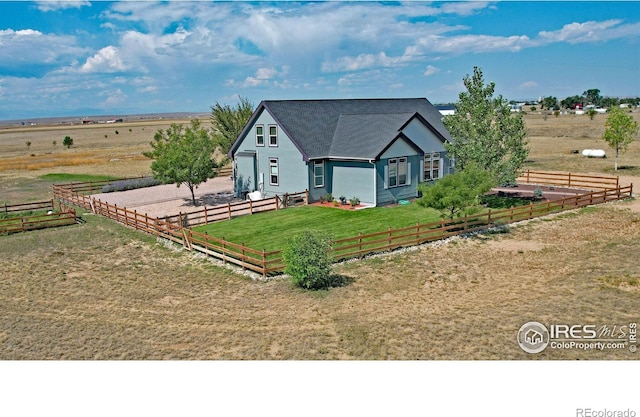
101 291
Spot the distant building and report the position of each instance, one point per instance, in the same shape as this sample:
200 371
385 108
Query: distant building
446 109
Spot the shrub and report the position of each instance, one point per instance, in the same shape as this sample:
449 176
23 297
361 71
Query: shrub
354 201
67 141
329 197
130 184
322 198
308 259
537 193
343 200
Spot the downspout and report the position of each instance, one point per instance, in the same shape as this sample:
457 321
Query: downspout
375 183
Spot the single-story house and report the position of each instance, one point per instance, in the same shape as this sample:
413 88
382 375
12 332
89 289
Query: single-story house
377 150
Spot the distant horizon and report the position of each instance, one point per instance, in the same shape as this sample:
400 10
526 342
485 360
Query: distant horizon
78 57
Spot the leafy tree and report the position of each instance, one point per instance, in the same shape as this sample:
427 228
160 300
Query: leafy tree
183 156
55 142
308 259
549 103
620 129
571 102
28 143
67 141
591 113
457 193
592 96
485 132
228 122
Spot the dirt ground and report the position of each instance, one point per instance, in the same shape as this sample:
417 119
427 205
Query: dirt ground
169 200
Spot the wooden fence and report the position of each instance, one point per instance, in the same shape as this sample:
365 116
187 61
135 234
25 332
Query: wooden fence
590 182
16 208
227 211
38 221
270 262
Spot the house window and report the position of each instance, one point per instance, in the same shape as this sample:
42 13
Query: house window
398 172
273 135
274 175
259 135
318 174
432 166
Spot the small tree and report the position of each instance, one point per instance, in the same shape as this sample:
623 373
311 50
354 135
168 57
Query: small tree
308 259
591 113
620 129
457 193
485 132
183 156
227 123
55 142
28 143
67 141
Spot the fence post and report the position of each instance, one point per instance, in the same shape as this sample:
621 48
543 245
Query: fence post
530 210
390 240
116 211
126 219
417 232
306 196
466 222
489 218
359 244
442 228
285 200
277 200
224 252
569 180
251 206
206 219
229 210
528 176
264 263
243 262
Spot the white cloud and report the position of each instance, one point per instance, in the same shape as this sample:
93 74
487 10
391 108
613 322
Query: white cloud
364 61
528 84
262 77
52 5
106 60
31 47
114 97
431 70
590 31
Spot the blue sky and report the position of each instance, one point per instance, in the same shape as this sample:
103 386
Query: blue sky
76 58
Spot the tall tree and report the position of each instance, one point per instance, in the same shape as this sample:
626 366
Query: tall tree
227 122
485 132
592 96
619 132
549 103
183 156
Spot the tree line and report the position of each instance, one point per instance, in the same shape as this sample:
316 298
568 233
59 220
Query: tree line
588 97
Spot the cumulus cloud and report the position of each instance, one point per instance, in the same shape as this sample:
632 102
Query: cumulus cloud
364 61
528 84
262 77
106 60
29 46
590 31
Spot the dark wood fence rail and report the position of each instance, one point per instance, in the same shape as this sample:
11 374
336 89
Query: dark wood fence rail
269 262
16 208
35 222
591 182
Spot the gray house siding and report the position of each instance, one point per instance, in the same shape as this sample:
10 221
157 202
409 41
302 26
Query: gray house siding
353 179
316 192
292 171
389 195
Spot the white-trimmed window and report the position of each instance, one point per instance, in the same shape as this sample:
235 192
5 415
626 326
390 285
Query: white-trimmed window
273 135
432 164
259 135
318 174
397 172
274 174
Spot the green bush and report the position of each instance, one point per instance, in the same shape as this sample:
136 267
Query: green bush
308 260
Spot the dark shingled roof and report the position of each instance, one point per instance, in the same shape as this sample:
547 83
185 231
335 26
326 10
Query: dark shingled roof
349 128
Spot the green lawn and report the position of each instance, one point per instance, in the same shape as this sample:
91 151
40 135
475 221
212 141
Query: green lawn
60 177
271 230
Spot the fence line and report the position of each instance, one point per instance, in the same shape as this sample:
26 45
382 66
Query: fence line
38 205
227 211
569 180
264 262
39 221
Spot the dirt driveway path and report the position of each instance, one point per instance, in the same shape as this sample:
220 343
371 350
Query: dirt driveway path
167 200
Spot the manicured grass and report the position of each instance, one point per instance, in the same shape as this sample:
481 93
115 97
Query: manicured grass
271 230
60 177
